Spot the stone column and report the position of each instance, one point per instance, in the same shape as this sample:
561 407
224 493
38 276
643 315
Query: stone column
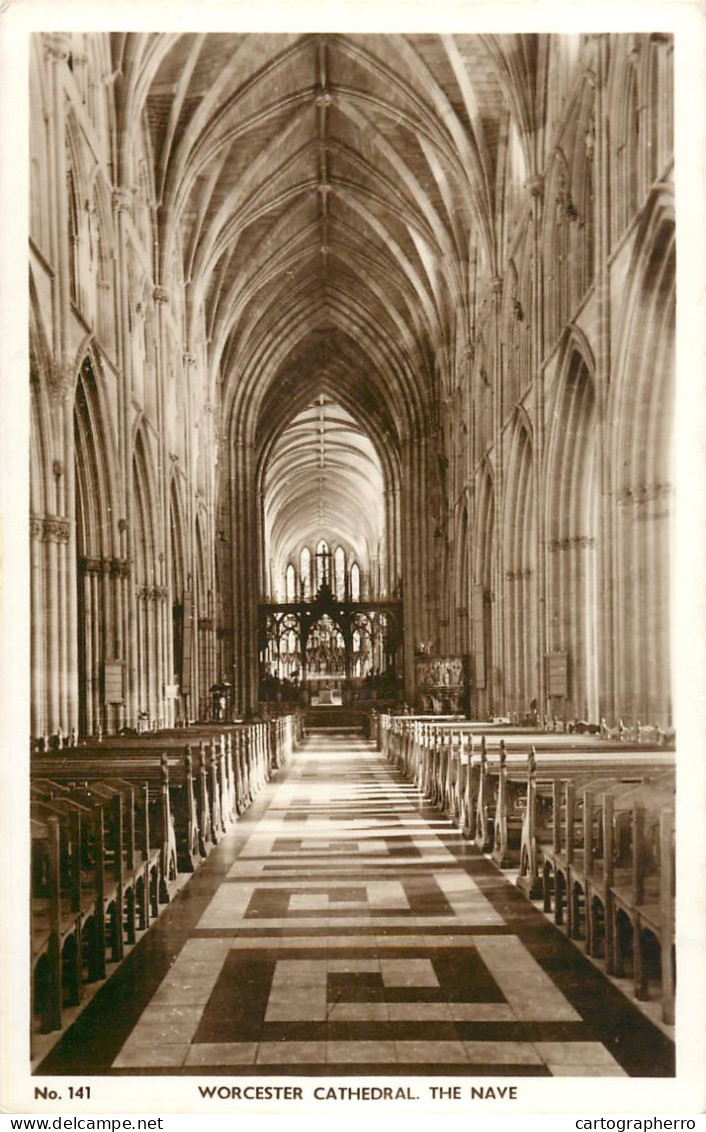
58 656
535 186
56 49
245 574
61 626
87 658
150 639
425 549
250 582
126 590
71 581
165 658
120 574
122 204
500 654
37 616
51 629
162 677
390 578
408 566
396 536
607 565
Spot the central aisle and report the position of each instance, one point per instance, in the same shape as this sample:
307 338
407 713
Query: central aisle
344 928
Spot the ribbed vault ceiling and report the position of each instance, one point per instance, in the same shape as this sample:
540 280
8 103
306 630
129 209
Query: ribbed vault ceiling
325 182
320 195
323 480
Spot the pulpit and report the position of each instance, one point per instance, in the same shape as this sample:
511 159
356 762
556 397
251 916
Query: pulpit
442 685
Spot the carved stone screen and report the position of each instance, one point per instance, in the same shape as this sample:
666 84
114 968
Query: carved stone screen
442 685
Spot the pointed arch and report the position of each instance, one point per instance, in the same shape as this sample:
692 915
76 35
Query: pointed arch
485 585
305 573
520 541
355 582
290 583
100 636
149 592
556 237
204 667
623 87
461 597
180 595
572 530
340 587
41 369
642 463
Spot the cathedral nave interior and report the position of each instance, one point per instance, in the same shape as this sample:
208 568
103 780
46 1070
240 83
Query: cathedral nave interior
352 372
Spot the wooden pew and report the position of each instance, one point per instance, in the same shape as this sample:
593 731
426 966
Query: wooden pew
188 792
112 823
45 921
207 790
640 890
604 861
170 792
510 807
83 888
588 819
485 804
142 847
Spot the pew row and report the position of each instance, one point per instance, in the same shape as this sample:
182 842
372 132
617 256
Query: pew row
587 824
98 876
113 824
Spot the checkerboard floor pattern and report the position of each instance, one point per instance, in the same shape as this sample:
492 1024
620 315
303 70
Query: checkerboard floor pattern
342 928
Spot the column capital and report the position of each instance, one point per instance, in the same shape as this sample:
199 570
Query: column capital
634 46
122 200
57 47
160 294
152 593
575 542
120 567
55 529
496 284
535 185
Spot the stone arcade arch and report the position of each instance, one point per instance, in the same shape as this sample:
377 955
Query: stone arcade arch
461 598
414 227
204 638
641 408
485 586
181 604
520 539
150 592
103 573
572 531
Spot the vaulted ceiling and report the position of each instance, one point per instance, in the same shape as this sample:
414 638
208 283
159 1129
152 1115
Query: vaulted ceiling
320 194
323 480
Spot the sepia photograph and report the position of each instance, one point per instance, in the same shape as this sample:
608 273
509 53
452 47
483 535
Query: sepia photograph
351 562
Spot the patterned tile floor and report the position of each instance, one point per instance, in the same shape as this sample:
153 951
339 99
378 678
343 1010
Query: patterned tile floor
344 928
